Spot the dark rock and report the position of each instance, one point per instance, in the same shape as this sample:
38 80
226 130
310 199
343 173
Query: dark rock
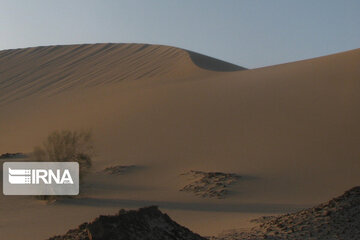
338 218
144 224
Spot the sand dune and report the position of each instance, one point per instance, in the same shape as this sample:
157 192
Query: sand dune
291 131
53 69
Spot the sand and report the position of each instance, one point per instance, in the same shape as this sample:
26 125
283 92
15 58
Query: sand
291 131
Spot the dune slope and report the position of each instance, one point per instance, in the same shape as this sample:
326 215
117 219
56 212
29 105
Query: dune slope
52 69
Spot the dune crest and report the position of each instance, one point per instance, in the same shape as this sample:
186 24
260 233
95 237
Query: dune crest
53 69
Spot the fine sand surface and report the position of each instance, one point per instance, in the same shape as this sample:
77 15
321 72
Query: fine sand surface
290 131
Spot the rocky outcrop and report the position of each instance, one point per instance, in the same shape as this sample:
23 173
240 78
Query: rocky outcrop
337 219
147 223
210 184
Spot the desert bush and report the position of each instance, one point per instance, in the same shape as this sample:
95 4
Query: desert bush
67 146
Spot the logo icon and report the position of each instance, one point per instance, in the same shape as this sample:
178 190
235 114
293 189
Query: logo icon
20 176
41 178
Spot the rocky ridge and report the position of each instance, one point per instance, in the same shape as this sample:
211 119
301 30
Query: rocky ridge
144 224
338 218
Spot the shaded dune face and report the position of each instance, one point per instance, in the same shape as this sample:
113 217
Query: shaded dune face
213 64
53 69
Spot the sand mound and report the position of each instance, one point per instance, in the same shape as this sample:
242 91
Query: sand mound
210 184
336 219
146 223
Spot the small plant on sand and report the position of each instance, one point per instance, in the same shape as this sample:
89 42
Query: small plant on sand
66 146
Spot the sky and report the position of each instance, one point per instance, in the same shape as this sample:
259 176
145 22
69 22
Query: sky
249 33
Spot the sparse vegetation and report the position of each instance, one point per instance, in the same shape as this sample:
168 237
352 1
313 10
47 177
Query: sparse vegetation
66 146
13 155
120 169
210 184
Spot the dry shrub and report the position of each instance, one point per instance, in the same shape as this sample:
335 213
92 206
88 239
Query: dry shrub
67 146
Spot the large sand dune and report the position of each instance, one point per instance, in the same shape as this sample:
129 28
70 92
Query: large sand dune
54 69
291 131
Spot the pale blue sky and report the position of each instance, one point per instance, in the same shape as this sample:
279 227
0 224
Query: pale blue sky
250 33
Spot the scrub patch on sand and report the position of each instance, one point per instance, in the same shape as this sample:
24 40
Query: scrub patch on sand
120 169
210 184
13 155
